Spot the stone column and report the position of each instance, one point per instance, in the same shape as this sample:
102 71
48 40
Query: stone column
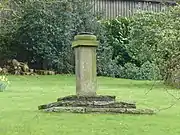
85 45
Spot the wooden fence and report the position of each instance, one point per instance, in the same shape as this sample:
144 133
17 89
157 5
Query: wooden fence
113 8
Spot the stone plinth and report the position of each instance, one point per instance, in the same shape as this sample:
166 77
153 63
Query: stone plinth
94 104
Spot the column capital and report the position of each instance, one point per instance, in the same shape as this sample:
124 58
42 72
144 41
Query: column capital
85 39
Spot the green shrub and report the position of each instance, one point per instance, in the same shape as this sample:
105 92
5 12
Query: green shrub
146 45
117 32
7 28
43 33
149 71
144 35
154 37
131 71
110 69
172 76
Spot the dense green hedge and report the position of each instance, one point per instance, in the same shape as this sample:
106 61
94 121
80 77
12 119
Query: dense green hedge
144 46
118 32
155 37
43 33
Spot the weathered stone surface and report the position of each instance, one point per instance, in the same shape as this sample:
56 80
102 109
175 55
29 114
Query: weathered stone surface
85 64
45 106
86 82
139 111
99 110
85 39
87 98
113 105
106 110
120 110
93 104
66 109
66 104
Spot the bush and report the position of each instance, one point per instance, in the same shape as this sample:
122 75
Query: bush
149 71
173 72
117 32
110 68
7 29
144 35
154 37
43 33
131 71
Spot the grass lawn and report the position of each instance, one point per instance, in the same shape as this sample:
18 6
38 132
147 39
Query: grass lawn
19 114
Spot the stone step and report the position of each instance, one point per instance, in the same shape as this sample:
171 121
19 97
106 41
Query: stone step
100 110
92 104
88 98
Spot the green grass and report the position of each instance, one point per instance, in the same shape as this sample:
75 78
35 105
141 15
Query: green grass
19 114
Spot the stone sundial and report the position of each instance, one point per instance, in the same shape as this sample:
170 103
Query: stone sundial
86 99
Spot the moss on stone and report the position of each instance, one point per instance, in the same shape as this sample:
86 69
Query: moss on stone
87 43
85 37
87 98
100 110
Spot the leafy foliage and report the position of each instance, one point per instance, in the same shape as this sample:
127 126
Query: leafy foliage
154 37
7 28
45 29
149 71
140 47
144 35
44 35
117 32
